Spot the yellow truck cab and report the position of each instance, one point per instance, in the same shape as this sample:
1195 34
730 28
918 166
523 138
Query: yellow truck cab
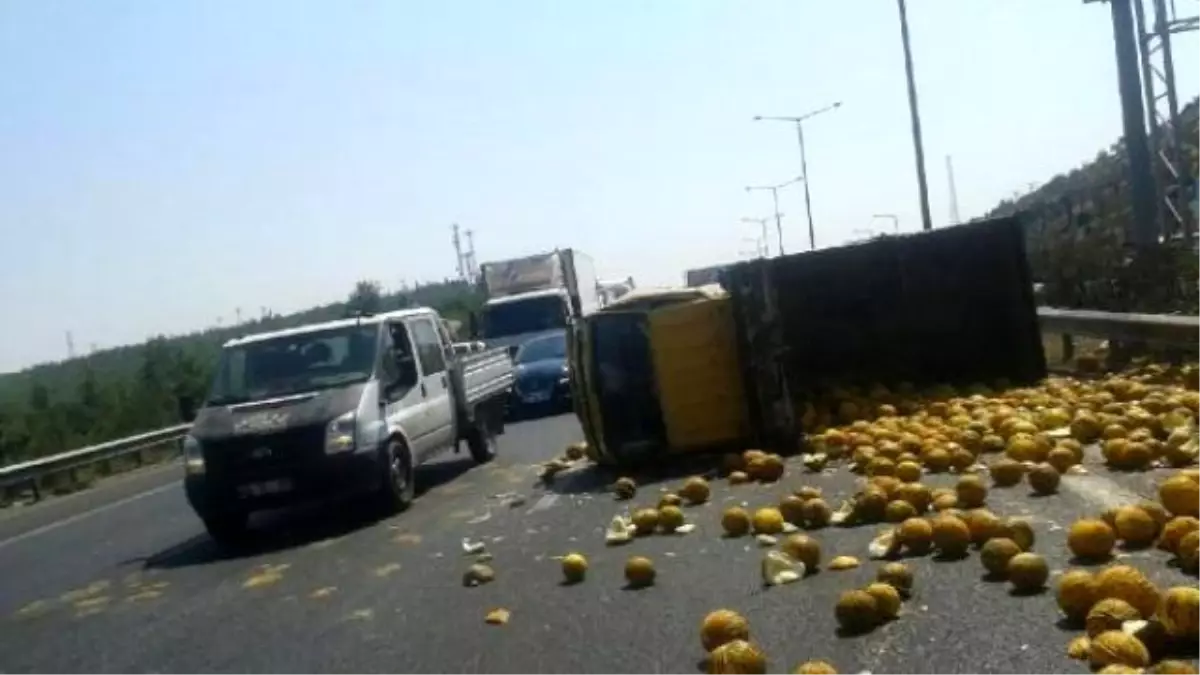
657 371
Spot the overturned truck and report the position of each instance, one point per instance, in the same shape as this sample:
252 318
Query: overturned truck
740 364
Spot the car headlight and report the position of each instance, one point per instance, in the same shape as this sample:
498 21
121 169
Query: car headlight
339 435
193 455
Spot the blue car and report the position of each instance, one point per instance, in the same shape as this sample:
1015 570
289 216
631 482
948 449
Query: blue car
541 377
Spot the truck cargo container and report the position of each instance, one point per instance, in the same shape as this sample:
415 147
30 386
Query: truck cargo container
693 369
535 295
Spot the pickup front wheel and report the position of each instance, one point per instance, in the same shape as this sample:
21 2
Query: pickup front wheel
399 487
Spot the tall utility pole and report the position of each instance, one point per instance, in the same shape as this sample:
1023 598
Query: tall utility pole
471 264
799 122
458 253
775 198
1143 230
914 112
1172 173
70 345
954 219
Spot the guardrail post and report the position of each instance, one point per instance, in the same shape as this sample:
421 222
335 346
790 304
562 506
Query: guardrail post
1120 353
1068 347
37 491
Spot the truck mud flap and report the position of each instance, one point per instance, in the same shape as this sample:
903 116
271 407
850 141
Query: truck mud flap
952 306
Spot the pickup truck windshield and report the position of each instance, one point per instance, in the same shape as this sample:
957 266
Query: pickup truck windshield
549 348
524 316
294 364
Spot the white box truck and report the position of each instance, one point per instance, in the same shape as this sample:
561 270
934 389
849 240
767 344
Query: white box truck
615 289
535 295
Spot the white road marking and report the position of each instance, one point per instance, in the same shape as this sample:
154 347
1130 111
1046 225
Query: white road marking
114 480
86 514
542 504
1101 491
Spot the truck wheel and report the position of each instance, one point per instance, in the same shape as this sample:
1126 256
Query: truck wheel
481 442
228 529
399 488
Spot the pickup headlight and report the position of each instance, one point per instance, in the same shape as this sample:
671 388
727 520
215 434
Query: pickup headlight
193 455
339 435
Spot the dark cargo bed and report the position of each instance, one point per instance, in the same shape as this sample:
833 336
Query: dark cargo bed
950 306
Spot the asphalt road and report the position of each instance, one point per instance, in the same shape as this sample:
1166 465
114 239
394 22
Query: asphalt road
124 580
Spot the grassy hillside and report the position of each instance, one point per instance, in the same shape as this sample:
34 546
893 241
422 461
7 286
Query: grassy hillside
1076 222
117 392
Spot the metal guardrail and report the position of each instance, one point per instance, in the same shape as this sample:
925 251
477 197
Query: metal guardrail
28 473
1156 329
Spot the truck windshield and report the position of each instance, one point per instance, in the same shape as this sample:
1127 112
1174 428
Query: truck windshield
524 316
294 364
549 348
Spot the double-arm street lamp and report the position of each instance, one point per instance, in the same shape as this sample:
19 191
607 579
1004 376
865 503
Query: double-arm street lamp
775 197
764 245
892 217
799 122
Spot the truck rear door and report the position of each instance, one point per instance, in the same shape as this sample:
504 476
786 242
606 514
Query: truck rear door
435 382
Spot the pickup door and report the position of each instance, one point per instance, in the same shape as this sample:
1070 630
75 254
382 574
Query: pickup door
404 406
434 387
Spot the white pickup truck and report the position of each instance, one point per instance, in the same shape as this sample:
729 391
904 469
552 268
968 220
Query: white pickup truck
346 406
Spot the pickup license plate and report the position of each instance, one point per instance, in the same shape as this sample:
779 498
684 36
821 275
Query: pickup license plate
270 487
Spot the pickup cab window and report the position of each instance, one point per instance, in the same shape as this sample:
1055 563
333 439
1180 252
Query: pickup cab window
428 346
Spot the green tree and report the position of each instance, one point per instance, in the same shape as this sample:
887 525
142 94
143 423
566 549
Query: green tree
14 437
367 298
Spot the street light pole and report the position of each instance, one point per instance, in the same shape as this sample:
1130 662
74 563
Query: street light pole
892 217
812 237
799 122
918 146
765 244
778 217
775 199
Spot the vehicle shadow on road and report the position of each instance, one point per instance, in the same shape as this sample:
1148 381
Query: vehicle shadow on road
275 531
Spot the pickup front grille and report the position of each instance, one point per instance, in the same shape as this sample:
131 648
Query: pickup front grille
273 453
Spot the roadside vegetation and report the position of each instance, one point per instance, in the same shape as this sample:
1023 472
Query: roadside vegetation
1075 224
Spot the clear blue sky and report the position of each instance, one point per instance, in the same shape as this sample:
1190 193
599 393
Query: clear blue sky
163 163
